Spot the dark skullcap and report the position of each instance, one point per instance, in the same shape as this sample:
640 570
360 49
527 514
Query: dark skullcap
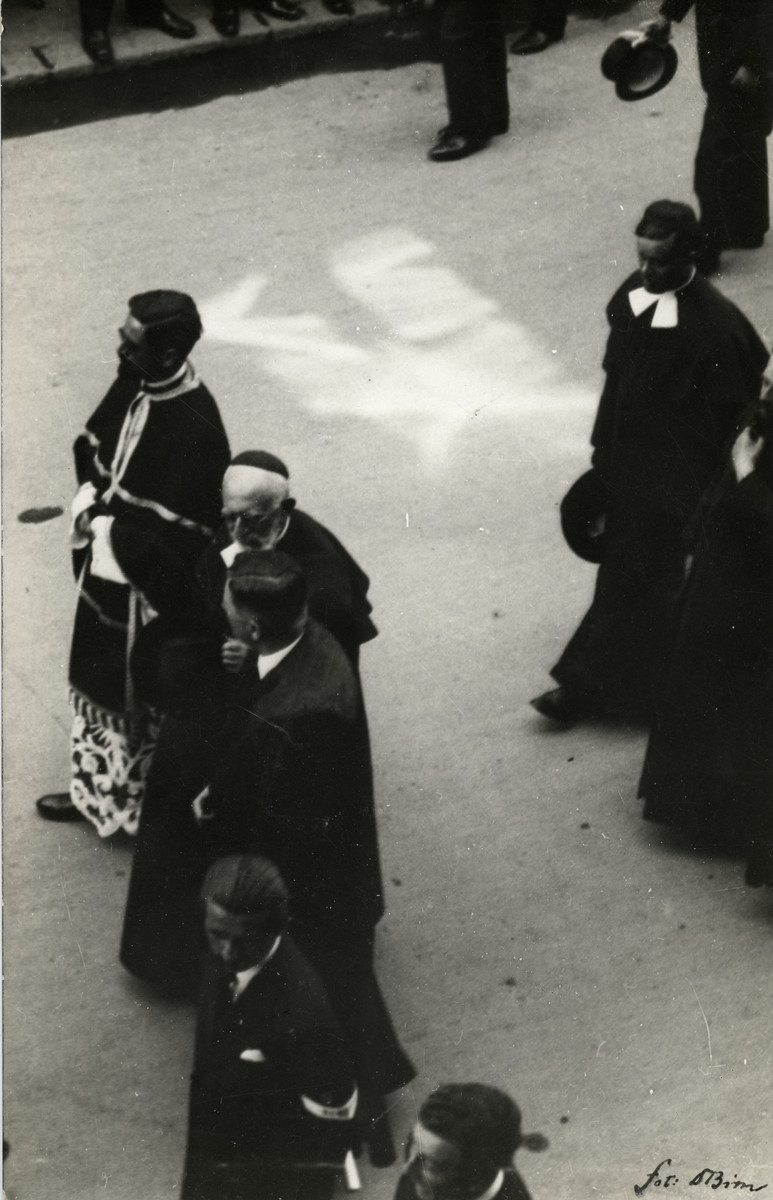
268 581
670 218
246 885
483 1122
262 460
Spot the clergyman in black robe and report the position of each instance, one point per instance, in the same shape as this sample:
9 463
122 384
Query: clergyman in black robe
709 762
149 466
682 365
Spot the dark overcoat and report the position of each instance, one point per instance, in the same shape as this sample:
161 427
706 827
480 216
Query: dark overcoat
255 1058
672 401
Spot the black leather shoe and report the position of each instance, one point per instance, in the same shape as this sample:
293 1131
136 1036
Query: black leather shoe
57 806
167 21
451 146
226 21
531 41
557 705
99 48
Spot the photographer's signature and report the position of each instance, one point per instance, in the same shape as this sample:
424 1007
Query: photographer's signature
662 1176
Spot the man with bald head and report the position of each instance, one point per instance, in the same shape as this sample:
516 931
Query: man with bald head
682 364
260 514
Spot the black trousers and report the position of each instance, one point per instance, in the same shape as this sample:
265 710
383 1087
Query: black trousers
95 14
731 167
548 16
474 57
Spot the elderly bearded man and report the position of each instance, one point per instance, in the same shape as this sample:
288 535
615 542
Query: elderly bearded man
260 514
682 364
149 466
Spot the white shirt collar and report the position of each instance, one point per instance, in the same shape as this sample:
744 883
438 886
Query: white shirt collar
267 662
666 315
243 978
494 1188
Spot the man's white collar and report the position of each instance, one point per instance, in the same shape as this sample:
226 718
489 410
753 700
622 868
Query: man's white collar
267 662
666 315
494 1188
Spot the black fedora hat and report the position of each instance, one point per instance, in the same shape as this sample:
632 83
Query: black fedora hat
638 65
581 507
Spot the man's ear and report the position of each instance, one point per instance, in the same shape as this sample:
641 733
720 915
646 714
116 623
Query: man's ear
288 505
169 359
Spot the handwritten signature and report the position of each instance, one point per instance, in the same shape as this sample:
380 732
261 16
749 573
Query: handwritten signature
716 1180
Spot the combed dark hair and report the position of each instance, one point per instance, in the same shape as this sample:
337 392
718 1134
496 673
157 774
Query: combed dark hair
246 885
171 320
262 459
271 585
483 1122
670 218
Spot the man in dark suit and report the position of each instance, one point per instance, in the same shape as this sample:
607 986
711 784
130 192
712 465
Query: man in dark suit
735 57
294 783
463 1144
682 364
260 514
474 57
272 1089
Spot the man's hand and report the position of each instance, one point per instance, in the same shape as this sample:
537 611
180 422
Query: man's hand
83 524
235 655
746 451
200 807
657 30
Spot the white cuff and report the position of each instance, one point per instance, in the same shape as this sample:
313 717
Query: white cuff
103 563
344 1113
84 498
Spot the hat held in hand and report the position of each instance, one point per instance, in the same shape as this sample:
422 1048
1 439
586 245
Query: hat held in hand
637 65
583 517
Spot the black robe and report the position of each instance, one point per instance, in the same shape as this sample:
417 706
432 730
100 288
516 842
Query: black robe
672 401
255 1058
167 495
287 761
731 165
709 761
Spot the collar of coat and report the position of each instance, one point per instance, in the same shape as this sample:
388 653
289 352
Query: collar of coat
666 314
